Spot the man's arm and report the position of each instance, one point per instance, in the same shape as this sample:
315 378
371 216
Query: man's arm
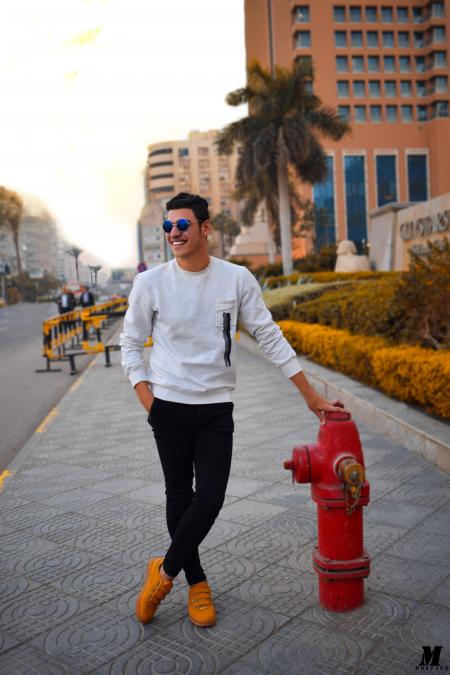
255 316
137 327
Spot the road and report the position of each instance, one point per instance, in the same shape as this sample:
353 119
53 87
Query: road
27 397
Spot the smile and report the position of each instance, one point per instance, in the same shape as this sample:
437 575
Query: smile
177 243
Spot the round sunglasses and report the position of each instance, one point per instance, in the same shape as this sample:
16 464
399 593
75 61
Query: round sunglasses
182 224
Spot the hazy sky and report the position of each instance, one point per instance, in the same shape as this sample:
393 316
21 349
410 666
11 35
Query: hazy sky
87 84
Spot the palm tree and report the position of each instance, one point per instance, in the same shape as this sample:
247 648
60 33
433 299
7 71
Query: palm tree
281 133
75 252
11 209
228 227
95 270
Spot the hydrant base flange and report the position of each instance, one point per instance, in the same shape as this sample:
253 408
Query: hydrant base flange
344 569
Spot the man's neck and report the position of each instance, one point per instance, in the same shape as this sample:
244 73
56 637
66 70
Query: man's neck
194 264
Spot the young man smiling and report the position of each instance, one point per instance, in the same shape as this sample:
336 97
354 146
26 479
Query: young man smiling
191 306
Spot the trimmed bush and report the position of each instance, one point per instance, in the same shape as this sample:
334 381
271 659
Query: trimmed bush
411 374
283 301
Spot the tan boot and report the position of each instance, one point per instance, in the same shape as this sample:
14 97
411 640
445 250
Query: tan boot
152 592
200 605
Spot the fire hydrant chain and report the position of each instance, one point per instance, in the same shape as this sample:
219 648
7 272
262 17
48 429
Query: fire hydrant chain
352 491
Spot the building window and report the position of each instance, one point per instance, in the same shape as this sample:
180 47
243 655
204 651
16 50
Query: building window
161 175
402 15
407 113
417 15
439 60
388 39
374 88
203 152
153 164
420 64
343 89
422 113
437 9
418 39
375 113
356 38
390 88
403 39
341 64
405 88
440 109
360 113
371 14
323 197
301 14
386 179
303 39
340 38
344 112
391 113
421 88
161 151
355 14
359 88
372 38
358 64
438 34
165 188
417 178
339 14
373 63
440 83
387 15
183 152
405 64
203 164
355 198
305 61
389 64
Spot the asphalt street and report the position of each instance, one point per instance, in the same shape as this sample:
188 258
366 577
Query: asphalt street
26 397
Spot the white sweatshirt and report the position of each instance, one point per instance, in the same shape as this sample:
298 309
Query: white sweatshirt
184 313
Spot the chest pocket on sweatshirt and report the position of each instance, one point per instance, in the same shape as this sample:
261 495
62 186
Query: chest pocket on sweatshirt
228 307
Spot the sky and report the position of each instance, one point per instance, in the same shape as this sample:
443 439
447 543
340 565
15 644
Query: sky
88 84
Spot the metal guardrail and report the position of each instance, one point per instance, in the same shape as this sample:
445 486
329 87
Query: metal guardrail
79 332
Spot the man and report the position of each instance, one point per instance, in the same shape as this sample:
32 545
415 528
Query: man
87 298
191 306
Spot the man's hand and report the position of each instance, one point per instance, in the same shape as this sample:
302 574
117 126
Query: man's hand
145 394
316 403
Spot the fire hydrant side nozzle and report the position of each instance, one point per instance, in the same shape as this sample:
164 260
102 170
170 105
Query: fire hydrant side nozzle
335 468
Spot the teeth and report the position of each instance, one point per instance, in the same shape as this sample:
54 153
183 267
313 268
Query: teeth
178 243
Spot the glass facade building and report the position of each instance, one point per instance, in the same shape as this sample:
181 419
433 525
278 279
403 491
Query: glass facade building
323 195
386 179
355 199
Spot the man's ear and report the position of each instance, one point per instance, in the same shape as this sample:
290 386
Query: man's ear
207 228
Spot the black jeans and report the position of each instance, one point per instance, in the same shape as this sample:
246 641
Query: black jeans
192 437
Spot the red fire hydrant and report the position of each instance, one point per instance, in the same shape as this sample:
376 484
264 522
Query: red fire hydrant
335 469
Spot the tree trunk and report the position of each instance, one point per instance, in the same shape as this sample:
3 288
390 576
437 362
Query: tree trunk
284 209
15 234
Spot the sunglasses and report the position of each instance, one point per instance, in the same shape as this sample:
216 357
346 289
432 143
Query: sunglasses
182 224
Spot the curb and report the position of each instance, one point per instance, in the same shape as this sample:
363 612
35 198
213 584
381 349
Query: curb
419 432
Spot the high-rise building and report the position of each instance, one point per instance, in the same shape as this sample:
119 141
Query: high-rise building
384 66
193 165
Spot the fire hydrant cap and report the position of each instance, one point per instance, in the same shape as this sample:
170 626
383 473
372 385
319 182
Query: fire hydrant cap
337 415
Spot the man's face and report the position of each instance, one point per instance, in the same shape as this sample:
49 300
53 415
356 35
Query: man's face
191 241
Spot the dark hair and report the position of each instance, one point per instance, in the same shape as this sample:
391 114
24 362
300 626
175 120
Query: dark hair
183 200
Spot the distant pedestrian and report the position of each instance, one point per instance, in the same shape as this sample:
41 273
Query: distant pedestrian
191 306
87 298
66 301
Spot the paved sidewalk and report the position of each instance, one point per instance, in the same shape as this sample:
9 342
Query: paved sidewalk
84 510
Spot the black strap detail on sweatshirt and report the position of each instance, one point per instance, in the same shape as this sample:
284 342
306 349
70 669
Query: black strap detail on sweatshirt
227 338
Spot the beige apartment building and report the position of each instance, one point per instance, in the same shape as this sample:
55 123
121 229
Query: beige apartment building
384 65
191 165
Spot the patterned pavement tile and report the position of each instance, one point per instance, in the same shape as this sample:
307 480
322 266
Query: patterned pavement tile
428 625
151 493
21 514
395 513
247 512
109 539
379 538
76 499
297 522
64 527
12 586
46 568
386 470
283 590
380 618
262 545
152 545
391 574
164 654
441 594
119 485
91 639
425 546
26 660
305 647
439 523
221 532
101 581
286 494
243 487
390 657
421 495
18 546
239 628
269 472
172 610
6 643
225 571
128 512
36 611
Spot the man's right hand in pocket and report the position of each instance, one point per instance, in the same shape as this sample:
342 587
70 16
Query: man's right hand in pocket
145 395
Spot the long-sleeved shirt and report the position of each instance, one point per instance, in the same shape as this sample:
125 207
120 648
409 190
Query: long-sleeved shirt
187 313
